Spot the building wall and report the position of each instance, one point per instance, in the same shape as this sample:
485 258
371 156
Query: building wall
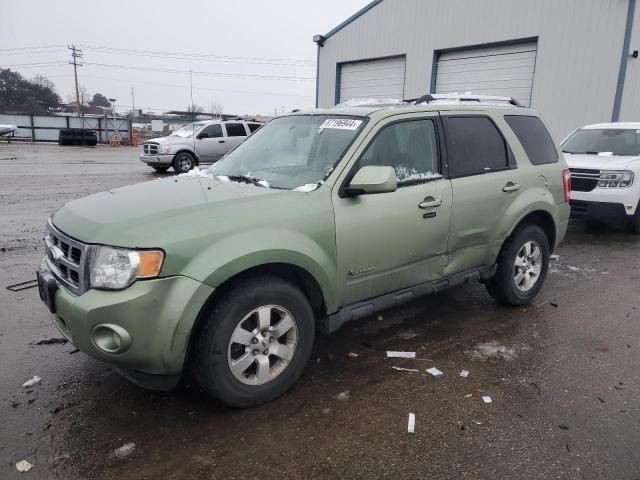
578 59
630 108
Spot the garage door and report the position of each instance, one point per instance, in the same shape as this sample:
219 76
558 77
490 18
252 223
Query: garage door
506 71
374 79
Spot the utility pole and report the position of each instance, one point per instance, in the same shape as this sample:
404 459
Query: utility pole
76 53
133 103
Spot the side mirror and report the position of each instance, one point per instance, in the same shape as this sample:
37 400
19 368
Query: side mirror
373 179
202 135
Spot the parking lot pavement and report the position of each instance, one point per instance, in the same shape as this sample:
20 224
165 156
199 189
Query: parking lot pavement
563 373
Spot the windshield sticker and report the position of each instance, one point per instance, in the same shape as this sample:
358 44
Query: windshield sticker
341 124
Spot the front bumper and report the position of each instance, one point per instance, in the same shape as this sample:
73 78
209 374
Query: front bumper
601 211
157 316
157 160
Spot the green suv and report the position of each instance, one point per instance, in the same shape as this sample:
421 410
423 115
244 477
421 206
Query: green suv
319 218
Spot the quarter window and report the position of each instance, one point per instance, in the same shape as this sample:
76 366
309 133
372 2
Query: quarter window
409 147
475 146
253 126
534 138
235 130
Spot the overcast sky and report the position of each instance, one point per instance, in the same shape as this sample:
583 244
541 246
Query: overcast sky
250 37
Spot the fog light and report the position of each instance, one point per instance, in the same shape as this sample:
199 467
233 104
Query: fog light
110 338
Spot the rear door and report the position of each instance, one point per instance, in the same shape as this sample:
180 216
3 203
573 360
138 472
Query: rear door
390 241
210 144
484 181
236 132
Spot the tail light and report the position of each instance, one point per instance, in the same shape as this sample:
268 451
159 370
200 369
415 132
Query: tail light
566 183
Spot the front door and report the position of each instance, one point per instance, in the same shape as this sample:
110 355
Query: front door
211 144
391 241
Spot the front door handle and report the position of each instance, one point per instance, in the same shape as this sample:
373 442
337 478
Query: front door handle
511 187
220 141
430 202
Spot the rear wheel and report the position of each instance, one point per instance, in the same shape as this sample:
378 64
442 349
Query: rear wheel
183 162
254 342
522 267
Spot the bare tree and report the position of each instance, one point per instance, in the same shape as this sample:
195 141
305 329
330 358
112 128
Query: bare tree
194 108
216 109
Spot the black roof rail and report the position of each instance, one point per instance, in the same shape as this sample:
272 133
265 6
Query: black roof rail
428 98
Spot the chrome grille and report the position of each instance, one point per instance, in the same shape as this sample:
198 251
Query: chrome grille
67 259
584 179
150 148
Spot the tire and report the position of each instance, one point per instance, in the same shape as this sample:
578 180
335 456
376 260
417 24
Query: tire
508 286
160 169
183 162
228 347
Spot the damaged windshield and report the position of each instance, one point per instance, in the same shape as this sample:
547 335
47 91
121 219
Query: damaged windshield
293 152
188 130
616 141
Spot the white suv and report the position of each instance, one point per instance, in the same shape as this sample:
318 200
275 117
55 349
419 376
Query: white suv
195 143
604 160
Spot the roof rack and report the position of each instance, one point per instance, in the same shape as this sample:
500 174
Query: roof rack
466 98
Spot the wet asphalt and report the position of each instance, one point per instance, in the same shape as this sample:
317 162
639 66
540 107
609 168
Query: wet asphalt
563 374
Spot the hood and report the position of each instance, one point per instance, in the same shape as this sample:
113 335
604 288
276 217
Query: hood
169 140
601 162
159 212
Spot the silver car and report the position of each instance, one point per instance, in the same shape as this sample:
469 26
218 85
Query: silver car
196 143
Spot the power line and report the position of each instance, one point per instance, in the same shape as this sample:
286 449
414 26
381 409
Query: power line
34 64
32 48
204 57
201 73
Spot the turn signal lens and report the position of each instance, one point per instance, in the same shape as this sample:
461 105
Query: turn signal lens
150 263
566 183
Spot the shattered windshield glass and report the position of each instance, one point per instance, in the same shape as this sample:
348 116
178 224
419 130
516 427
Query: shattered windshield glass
293 153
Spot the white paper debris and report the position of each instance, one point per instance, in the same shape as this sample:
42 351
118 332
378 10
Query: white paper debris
486 399
402 369
23 466
401 354
435 372
341 123
468 395
125 450
343 396
411 427
464 373
31 382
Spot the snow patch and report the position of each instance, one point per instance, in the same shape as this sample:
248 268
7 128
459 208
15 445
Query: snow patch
368 102
309 187
492 350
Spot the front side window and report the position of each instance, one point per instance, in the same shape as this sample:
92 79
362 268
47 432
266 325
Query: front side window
235 130
212 131
475 146
614 141
291 152
409 147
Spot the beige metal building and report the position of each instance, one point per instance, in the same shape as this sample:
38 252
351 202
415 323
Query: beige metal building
576 61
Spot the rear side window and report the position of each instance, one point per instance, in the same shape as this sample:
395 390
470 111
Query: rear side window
534 137
475 146
235 130
253 126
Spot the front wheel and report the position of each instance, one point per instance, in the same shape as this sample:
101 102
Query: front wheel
522 267
254 342
183 162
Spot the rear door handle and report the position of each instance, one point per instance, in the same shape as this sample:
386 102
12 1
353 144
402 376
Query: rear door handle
430 202
511 187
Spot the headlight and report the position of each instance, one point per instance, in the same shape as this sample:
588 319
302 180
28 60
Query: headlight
615 178
116 268
164 149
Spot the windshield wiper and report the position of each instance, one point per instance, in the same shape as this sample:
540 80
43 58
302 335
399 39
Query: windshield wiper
247 179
